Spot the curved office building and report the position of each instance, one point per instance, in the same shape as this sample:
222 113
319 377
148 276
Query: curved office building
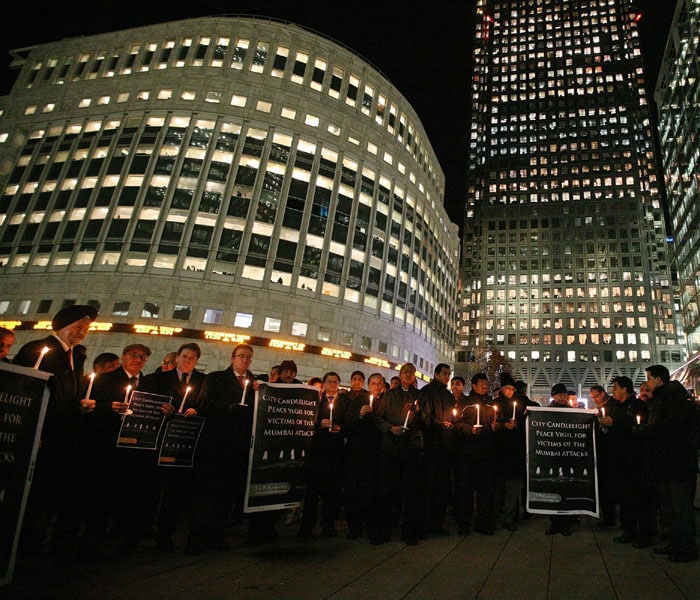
221 179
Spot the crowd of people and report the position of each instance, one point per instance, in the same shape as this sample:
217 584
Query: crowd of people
384 456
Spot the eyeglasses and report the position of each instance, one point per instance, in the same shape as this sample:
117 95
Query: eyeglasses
136 356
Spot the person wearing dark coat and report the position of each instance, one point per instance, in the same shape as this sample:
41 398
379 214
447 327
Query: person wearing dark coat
401 419
361 457
324 462
511 439
671 460
182 383
221 461
439 404
56 479
100 424
474 436
630 489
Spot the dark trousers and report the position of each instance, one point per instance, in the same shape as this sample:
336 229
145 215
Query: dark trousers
676 500
324 483
437 475
477 480
402 496
360 492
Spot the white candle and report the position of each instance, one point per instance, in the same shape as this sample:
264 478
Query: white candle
371 399
515 404
44 350
182 404
408 414
89 390
126 394
331 417
639 419
602 411
454 412
495 413
245 388
478 415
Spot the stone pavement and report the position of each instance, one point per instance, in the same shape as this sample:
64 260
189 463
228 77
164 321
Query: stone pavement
523 564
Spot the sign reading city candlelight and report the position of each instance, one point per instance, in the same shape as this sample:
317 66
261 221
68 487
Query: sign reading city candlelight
561 461
23 401
180 441
283 423
141 426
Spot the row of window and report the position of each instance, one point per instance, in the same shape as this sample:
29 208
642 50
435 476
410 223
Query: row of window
241 320
243 54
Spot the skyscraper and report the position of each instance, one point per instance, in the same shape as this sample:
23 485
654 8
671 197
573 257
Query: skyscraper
565 262
677 98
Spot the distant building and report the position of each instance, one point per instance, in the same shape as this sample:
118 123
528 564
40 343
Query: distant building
565 265
677 97
223 179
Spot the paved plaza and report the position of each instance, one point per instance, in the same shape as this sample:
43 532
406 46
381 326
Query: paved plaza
522 564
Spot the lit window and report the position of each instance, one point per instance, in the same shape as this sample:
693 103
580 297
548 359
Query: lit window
288 113
85 102
30 110
243 320
182 312
150 310
238 100
311 121
103 100
213 97
299 329
121 308
324 334
23 307
48 107
263 106
188 95
272 324
213 316
166 94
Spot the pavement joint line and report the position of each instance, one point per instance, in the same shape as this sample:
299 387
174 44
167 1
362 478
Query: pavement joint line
605 563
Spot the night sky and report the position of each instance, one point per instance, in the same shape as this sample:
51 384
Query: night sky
423 48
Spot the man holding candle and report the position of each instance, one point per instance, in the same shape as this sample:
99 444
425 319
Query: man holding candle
401 422
56 480
324 463
437 402
183 384
221 462
100 425
474 439
360 457
602 402
631 491
511 439
559 523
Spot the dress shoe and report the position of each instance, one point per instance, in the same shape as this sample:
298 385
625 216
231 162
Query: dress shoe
304 533
409 540
566 532
378 540
511 526
668 549
642 543
484 530
625 538
683 557
439 531
551 531
605 524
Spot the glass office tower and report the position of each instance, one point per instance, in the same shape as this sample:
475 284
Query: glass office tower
226 179
565 261
678 98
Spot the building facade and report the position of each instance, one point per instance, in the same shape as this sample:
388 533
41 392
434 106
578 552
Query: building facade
677 98
565 261
225 179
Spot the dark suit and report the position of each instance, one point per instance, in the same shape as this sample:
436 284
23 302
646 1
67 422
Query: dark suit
56 478
221 460
106 468
176 483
